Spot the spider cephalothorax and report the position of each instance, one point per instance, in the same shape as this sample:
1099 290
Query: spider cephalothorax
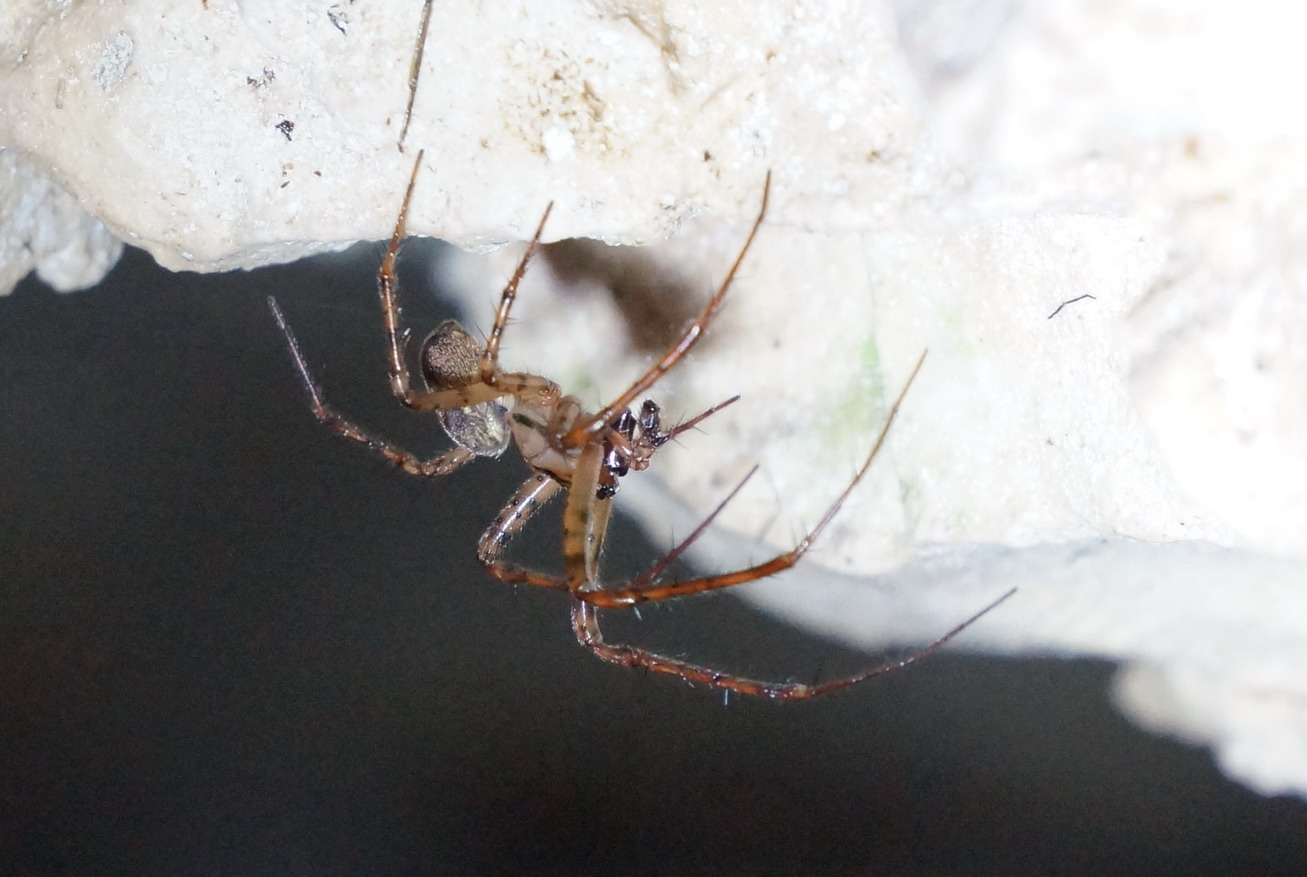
484 408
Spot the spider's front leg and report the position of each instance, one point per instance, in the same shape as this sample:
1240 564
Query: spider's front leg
591 427
472 393
489 383
415 69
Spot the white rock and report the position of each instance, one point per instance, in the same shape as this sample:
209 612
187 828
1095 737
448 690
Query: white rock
43 229
227 134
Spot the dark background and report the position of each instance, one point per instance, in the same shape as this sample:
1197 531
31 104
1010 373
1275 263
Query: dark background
232 643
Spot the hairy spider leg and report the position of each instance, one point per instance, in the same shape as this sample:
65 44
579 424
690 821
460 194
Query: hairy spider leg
645 581
591 426
415 70
437 400
529 499
583 524
473 393
639 592
585 624
490 357
409 462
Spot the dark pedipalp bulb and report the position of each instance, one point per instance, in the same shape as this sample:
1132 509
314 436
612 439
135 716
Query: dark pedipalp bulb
617 453
649 416
450 357
616 460
625 424
651 430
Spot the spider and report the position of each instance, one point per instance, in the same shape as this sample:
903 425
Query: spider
484 408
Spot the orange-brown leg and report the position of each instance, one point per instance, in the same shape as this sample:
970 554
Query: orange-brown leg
409 462
529 499
415 70
646 580
640 591
585 624
585 520
490 357
445 399
596 423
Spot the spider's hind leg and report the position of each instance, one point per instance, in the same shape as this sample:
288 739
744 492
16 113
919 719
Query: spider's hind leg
585 624
529 499
409 462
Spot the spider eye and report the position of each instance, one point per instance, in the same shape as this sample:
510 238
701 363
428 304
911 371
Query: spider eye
450 357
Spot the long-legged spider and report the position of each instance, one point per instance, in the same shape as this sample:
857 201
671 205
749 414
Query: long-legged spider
585 453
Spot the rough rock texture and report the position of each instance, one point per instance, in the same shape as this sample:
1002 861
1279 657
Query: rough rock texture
43 229
1136 462
220 135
